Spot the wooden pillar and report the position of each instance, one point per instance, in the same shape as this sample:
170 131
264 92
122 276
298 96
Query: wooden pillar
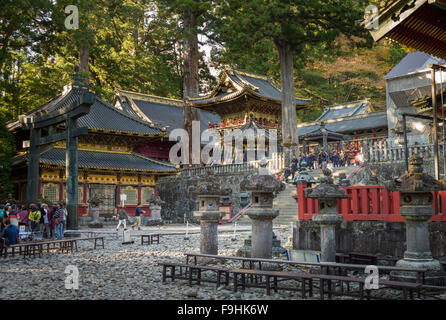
32 188
118 195
61 190
84 200
19 192
72 174
39 189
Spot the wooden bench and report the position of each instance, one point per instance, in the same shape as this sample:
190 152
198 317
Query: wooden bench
96 239
325 267
33 248
150 238
323 280
190 270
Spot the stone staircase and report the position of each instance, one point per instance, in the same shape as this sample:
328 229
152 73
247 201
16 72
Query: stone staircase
283 202
287 204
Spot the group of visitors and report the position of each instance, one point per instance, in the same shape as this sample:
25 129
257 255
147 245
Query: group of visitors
320 160
336 159
35 218
123 217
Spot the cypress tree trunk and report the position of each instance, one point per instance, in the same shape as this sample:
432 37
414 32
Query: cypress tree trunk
190 81
289 121
83 60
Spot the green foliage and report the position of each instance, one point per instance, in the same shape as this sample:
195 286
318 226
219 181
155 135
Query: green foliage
7 149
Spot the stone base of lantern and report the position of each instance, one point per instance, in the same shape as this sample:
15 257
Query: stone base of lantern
328 235
262 232
209 233
434 276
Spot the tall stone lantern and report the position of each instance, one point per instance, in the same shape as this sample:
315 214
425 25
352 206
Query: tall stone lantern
208 193
415 189
327 194
262 186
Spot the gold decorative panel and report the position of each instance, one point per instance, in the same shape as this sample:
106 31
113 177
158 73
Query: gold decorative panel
50 191
148 180
102 178
132 195
50 175
129 179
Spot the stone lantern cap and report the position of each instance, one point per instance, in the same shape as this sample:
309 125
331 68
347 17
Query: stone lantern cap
326 188
415 180
262 182
155 201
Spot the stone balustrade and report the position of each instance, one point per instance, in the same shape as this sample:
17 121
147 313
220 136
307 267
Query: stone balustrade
274 164
383 151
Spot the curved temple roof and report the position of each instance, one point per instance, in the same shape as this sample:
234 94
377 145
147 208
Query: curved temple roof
234 83
104 160
102 115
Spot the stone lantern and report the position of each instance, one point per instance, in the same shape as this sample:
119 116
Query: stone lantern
415 189
155 209
261 213
208 213
327 194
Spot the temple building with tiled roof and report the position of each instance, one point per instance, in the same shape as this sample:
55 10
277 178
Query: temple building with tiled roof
350 121
109 164
241 94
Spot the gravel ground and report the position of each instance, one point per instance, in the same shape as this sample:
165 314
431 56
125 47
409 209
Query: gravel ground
128 271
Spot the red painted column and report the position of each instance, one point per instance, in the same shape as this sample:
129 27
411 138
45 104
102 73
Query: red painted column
139 194
156 191
118 195
301 201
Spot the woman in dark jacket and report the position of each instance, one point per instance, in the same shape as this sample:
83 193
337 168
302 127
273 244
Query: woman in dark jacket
51 220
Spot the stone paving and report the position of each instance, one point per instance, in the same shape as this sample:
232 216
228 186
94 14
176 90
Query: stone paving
126 271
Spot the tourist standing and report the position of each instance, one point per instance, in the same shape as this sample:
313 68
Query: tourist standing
59 217
34 218
138 212
51 219
2 211
23 217
14 215
122 219
293 168
44 221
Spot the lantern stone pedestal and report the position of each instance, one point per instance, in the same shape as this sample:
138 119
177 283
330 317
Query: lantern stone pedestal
95 222
416 208
327 194
209 230
208 213
261 213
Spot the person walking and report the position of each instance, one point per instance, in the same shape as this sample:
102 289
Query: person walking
138 212
34 218
122 219
59 217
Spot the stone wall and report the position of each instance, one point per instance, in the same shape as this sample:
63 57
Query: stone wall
372 237
388 171
176 192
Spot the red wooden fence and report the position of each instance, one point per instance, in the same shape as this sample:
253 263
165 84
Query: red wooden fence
368 203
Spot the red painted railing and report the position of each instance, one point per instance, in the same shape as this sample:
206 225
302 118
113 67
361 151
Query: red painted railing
368 203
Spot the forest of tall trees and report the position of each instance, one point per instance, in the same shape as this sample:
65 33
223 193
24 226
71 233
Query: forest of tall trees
313 48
